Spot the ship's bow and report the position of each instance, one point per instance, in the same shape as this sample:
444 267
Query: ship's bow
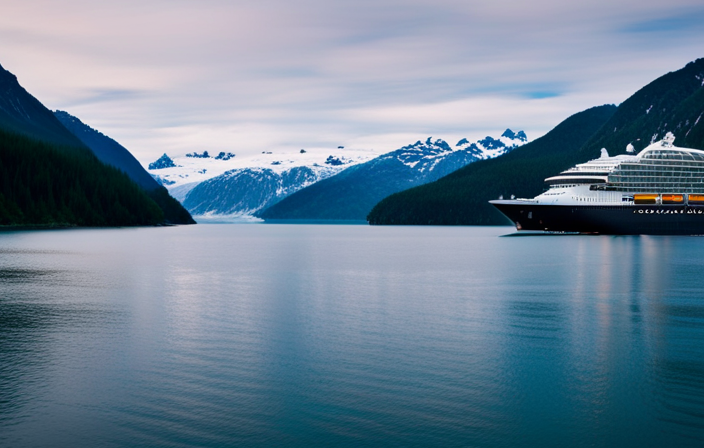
519 212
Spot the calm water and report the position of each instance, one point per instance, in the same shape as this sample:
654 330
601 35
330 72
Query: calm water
264 335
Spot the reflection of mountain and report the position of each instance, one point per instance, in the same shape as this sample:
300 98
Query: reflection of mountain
351 194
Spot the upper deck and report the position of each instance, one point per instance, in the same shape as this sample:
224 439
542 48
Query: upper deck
659 168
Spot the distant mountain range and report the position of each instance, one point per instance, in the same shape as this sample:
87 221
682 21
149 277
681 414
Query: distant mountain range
242 187
245 191
236 187
672 103
52 176
352 193
56 170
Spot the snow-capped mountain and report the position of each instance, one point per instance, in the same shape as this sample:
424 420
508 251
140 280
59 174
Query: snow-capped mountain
437 159
241 187
488 147
351 194
234 186
244 191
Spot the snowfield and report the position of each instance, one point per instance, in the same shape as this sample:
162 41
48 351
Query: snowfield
229 188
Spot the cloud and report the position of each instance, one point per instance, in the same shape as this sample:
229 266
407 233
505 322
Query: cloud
94 96
163 76
679 22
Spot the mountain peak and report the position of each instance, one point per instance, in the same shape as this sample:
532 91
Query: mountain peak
520 135
162 162
491 143
427 145
22 113
440 143
490 147
7 75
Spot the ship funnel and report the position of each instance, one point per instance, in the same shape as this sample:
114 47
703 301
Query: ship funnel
604 153
630 149
668 140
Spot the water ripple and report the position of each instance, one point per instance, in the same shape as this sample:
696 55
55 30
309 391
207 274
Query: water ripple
348 336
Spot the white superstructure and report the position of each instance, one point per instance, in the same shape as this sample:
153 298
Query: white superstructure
659 169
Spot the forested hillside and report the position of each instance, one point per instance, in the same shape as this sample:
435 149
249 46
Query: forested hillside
461 197
113 154
107 150
48 177
45 184
673 102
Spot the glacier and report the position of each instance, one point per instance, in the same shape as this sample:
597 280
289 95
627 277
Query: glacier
233 189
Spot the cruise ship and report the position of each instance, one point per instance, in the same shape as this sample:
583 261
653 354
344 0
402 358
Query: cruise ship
659 191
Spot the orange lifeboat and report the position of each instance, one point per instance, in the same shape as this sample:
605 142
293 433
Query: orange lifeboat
695 198
645 198
673 199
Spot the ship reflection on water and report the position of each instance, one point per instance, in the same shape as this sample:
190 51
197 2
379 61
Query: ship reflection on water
349 335
613 328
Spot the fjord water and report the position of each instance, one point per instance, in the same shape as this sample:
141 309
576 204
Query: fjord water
297 335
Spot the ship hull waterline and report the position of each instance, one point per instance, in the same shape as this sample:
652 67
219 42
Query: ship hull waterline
655 219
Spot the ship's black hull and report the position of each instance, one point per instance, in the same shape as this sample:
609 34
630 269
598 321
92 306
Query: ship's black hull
606 219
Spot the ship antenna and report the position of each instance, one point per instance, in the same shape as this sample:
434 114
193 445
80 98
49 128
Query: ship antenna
630 149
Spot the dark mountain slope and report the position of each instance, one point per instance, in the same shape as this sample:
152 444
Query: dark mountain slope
21 113
114 154
44 184
174 212
49 177
461 197
348 195
351 194
674 102
107 150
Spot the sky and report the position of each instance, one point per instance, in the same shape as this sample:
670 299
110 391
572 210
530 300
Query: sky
176 76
